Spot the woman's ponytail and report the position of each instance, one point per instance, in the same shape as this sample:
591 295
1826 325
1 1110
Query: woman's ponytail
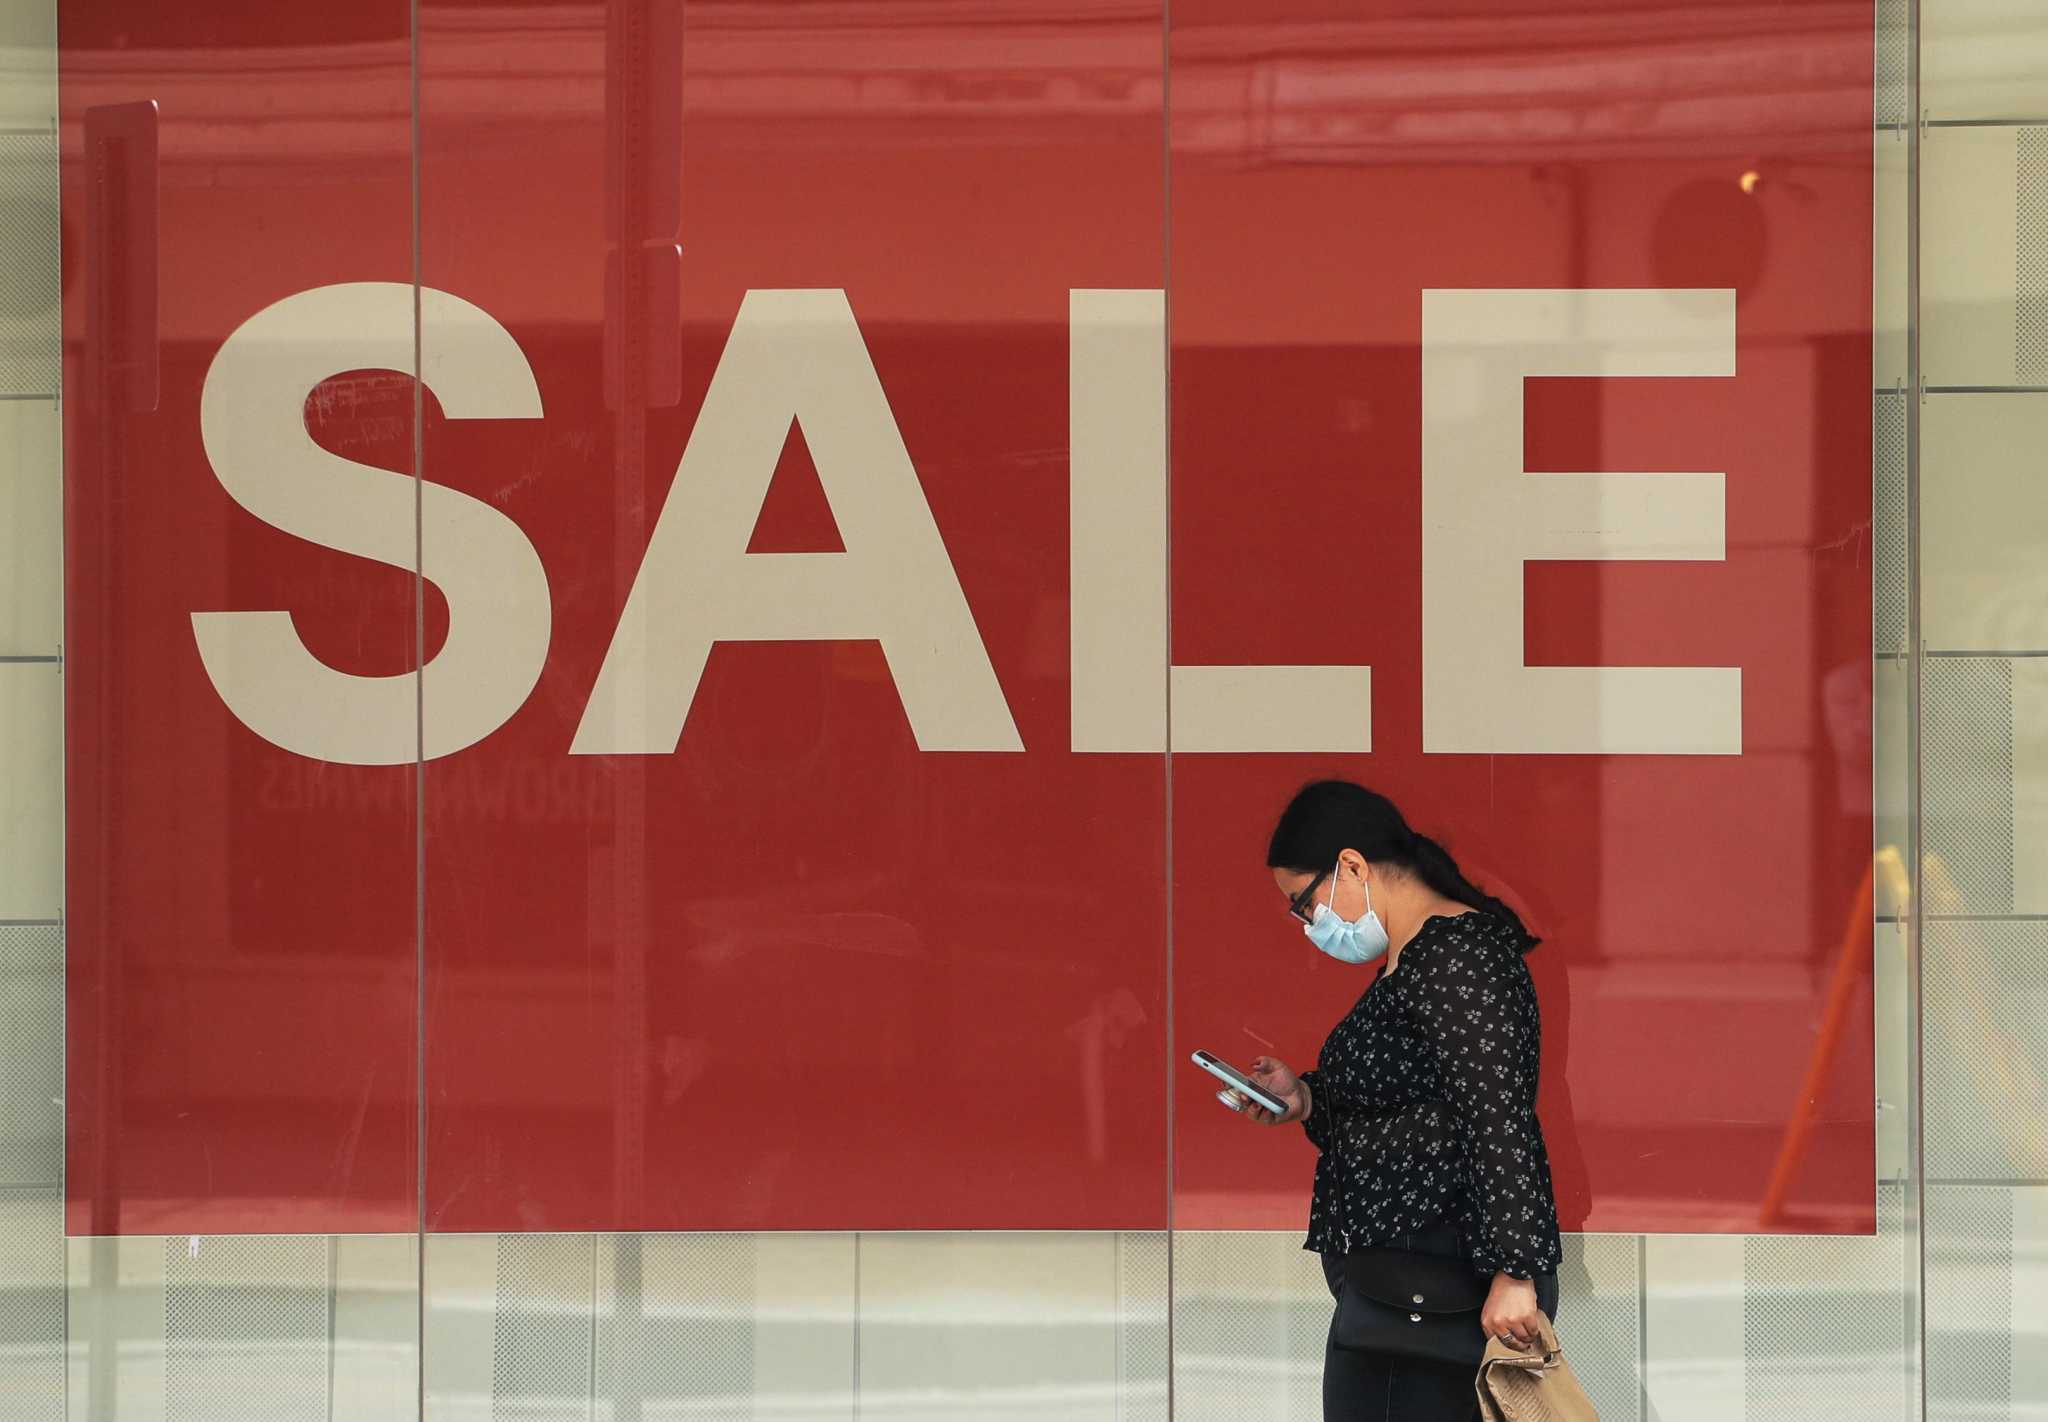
1433 864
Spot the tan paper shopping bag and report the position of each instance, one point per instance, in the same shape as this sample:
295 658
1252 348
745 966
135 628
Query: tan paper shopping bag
1536 1386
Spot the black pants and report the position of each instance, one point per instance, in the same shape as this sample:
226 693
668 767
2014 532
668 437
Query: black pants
1361 1386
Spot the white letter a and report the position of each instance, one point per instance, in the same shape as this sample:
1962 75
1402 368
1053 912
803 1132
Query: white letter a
795 354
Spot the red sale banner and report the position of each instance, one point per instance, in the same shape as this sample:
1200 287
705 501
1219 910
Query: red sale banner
695 619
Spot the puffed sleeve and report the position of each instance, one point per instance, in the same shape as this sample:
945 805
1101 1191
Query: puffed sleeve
1471 999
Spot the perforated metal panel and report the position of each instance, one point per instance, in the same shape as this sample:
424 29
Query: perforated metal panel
32 1305
1986 986
677 1334
31 1056
1824 1322
247 1329
1599 1321
1969 1302
1888 434
1142 1358
1251 1317
29 318
542 1331
1967 748
1893 40
2030 257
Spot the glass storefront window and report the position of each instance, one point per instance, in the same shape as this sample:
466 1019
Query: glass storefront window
647 652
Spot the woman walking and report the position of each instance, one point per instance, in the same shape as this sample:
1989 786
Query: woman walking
1423 1106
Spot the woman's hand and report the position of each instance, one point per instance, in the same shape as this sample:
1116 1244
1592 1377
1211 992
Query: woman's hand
1510 1312
1274 1075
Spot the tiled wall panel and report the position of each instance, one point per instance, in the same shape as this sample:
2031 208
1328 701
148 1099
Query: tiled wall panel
996 1326
376 1311
1971 238
1696 1348
31 792
32 513
1984 275
117 1321
1983 59
32 1313
1983 523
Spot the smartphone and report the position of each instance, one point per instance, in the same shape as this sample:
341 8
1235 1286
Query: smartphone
1237 1081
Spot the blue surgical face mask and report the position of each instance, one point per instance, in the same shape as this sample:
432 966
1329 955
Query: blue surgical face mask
1347 940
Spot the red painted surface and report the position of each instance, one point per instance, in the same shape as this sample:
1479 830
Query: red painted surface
240 923
1327 167
801 974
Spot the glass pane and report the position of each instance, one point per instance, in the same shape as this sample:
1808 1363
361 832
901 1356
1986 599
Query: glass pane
794 894
32 1323
1653 659
241 600
238 713
1555 330
1983 704
787 606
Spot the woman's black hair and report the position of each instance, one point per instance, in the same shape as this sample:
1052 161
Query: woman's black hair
1330 816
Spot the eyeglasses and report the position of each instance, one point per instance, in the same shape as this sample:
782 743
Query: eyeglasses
1298 905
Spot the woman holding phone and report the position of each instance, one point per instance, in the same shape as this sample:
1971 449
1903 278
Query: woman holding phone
1422 1103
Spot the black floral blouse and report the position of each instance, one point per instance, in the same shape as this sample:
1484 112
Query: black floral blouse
1424 1104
